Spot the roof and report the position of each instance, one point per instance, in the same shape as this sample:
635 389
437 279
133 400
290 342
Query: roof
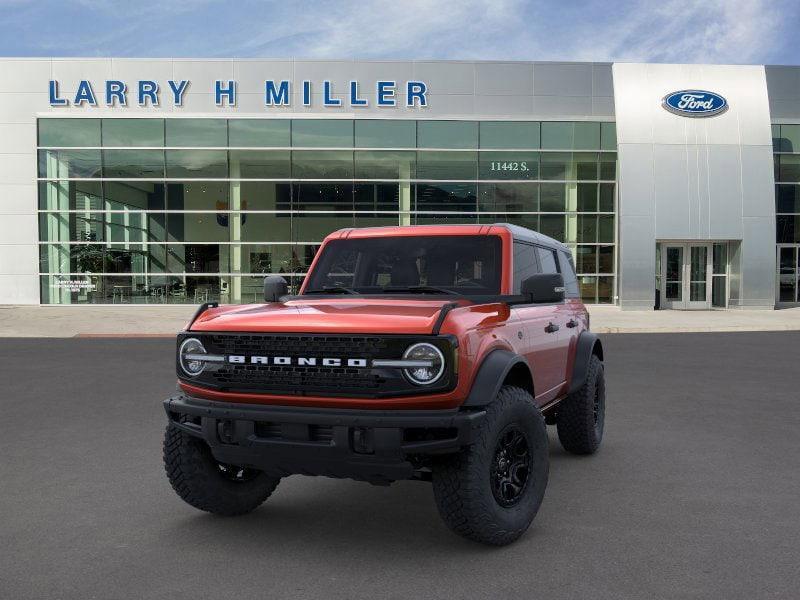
517 232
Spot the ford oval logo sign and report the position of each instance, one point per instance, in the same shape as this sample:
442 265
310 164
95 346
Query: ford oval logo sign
695 103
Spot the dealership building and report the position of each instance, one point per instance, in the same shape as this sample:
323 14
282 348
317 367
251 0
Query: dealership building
160 181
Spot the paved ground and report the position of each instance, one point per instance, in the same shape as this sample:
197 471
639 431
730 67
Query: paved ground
144 320
693 495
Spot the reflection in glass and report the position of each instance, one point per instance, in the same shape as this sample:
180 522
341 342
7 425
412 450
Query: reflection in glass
384 133
65 133
63 164
509 134
385 164
447 134
509 165
259 133
322 164
509 197
322 133
132 164
460 197
260 164
133 132
447 165
197 133
197 164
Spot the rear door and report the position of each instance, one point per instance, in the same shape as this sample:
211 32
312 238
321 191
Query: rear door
559 314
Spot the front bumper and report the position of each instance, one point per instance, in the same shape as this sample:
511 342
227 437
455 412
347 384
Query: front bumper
379 446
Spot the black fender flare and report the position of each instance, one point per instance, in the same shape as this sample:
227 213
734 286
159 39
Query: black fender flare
491 375
588 344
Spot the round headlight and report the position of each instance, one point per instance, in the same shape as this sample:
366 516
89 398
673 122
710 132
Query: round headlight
424 352
187 356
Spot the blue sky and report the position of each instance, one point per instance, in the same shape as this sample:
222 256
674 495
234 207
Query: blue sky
713 31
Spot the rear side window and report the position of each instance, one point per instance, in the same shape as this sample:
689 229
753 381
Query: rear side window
525 264
547 260
568 270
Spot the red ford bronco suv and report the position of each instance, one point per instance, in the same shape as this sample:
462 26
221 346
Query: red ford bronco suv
435 353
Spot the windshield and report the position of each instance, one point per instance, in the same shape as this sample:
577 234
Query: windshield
465 264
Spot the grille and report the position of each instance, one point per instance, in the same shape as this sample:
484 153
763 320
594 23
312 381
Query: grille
294 379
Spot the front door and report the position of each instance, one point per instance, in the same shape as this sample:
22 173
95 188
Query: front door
686 275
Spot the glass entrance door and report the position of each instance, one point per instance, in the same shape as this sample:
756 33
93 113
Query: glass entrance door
686 275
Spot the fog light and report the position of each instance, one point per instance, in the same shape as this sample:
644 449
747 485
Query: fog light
428 353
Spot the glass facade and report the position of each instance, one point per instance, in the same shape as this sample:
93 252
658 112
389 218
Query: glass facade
786 148
192 210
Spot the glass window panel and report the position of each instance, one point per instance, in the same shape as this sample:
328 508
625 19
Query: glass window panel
585 165
444 219
605 232
606 197
323 197
605 290
556 165
266 227
587 136
787 198
789 170
605 259
263 195
196 132
529 221
509 134
790 138
557 135
447 165
718 292
608 136
260 164
787 263
450 197
133 132
385 165
776 138
315 226
259 133
62 164
70 195
554 226
587 197
509 165
197 163
322 133
278 258
511 197
198 258
382 133
64 227
588 286
322 164
134 195
101 258
198 227
608 166
198 195
447 134
587 229
133 164
787 229
380 197
69 132
553 197
587 259
720 256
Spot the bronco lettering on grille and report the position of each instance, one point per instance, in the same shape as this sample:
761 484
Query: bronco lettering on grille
301 361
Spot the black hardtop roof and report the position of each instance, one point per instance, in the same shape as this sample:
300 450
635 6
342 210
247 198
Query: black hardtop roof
524 234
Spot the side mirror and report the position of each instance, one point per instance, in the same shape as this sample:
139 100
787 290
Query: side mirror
544 288
275 286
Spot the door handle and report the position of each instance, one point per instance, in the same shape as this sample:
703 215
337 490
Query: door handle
551 327
572 323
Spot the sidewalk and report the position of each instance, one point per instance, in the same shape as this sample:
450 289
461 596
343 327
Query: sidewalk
145 321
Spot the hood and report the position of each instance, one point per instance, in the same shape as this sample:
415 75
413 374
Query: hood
326 315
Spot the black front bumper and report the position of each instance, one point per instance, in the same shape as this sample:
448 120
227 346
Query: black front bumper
373 445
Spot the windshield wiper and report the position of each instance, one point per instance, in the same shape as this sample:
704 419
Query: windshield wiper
334 289
421 289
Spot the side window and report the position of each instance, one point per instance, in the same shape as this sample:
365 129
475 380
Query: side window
568 270
547 259
525 264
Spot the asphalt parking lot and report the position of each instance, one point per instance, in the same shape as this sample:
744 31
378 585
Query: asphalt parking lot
694 493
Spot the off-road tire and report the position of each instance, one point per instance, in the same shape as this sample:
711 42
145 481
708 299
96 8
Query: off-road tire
581 416
200 481
462 483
